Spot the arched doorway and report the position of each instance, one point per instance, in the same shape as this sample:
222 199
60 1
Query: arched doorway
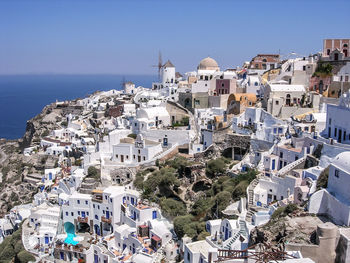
97 229
288 100
336 56
321 86
83 227
187 103
345 51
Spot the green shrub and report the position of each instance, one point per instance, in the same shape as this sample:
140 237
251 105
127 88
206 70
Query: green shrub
180 223
45 133
284 211
132 135
322 180
138 182
173 208
215 167
93 172
179 163
24 257
77 162
201 207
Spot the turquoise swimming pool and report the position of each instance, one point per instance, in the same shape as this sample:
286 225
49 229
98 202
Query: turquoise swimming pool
69 239
69 227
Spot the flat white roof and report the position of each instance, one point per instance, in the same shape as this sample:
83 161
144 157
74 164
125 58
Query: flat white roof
285 87
141 258
200 247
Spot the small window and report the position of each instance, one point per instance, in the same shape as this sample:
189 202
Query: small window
336 173
330 121
86 202
78 201
277 102
72 213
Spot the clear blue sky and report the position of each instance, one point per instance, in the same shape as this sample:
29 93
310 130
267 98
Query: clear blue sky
124 37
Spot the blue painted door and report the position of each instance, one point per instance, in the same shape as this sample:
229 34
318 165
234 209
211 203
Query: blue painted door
82 214
50 176
107 214
134 215
96 258
273 164
132 200
46 240
154 214
97 230
226 233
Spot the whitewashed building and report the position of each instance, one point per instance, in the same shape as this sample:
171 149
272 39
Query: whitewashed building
334 201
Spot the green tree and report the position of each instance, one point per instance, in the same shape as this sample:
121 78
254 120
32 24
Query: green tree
215 167
24 257
180 224
172 207
93 172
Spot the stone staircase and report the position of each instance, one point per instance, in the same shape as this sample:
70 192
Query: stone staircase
88 185
291 166
242 232
33 178
159 256
249 215
251 188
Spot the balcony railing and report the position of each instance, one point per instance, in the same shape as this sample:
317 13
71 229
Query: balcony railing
97 198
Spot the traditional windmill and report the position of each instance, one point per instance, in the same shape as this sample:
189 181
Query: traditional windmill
160 64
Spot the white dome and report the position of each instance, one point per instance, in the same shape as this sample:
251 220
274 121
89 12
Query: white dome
342 161
208 64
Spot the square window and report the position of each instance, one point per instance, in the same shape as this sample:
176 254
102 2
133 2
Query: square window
336 173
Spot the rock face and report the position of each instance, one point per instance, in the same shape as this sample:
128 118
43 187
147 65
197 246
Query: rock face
296 229
19 175
41 124
28 135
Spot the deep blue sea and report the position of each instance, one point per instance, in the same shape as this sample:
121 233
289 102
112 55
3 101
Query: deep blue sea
23 96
